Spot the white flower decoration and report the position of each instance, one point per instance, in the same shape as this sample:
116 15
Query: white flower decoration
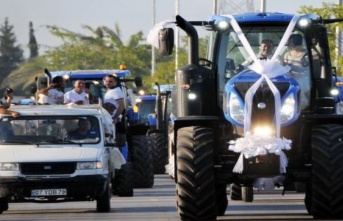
253 145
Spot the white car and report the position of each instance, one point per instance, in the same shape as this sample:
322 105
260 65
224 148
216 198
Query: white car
40 161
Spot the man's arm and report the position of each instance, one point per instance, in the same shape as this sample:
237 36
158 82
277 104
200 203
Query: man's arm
45 90
5 111
119 109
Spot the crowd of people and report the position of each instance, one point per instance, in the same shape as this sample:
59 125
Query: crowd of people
54 94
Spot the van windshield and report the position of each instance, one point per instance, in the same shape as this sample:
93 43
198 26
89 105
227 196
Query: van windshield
52 130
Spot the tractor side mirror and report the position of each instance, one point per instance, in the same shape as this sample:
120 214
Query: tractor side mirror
138 82
166 41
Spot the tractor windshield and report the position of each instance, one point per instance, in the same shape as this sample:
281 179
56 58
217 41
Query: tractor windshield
264 41
236 54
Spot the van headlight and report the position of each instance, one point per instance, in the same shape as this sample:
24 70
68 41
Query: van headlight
89 165
9 166
235 109
288 109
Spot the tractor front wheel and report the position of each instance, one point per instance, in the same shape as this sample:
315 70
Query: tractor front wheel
196 194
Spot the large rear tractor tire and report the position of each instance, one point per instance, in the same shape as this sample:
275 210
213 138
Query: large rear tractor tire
247 194
235 192
222 201
123 183
143 168
308 199
327 172
196 194
244 193
160 152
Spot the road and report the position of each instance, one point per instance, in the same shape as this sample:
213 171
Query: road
158 204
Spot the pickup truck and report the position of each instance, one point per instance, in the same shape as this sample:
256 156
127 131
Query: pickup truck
41 162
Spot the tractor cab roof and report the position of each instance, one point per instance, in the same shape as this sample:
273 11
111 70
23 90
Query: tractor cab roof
89 74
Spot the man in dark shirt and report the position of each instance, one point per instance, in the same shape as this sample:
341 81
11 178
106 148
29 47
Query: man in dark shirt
83 132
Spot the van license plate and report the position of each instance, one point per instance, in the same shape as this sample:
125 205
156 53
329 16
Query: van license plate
49 192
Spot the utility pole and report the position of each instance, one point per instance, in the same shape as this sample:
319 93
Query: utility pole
153 60
263 5
215 7
338 39
176 38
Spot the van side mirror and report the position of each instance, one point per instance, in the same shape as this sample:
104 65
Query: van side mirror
166 41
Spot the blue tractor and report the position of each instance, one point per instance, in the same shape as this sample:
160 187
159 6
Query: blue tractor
136 146
151 113
258 125
159 130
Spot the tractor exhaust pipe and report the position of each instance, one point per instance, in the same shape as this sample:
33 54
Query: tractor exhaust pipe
193 55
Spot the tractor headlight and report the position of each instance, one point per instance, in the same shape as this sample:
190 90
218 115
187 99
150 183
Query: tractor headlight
263 131
66 77
304 22
192 96
235 109
89 165
334 92
288 109
9 166
222 25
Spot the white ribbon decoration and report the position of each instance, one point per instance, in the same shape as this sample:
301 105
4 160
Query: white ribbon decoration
268 69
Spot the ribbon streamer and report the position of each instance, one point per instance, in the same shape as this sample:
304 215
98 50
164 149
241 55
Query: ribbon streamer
267 69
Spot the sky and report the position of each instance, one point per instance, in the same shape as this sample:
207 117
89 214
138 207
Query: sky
132 16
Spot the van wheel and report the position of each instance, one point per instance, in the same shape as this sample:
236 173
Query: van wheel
3 204
103 203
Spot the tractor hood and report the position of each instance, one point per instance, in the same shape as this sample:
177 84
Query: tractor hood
262 98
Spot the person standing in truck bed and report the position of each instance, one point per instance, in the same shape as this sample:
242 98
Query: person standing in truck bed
77 95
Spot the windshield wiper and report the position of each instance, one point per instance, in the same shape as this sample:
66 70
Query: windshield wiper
17 142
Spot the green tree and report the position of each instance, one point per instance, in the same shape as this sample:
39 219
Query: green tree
330 10
23 77
32 42
102 49
11 55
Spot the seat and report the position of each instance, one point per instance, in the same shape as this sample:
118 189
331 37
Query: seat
51 130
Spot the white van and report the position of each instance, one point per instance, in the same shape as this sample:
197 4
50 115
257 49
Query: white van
46 155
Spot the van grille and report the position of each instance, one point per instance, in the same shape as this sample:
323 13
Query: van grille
47 168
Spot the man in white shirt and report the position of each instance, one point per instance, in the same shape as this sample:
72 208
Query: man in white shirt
114 95
77 95
265 52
